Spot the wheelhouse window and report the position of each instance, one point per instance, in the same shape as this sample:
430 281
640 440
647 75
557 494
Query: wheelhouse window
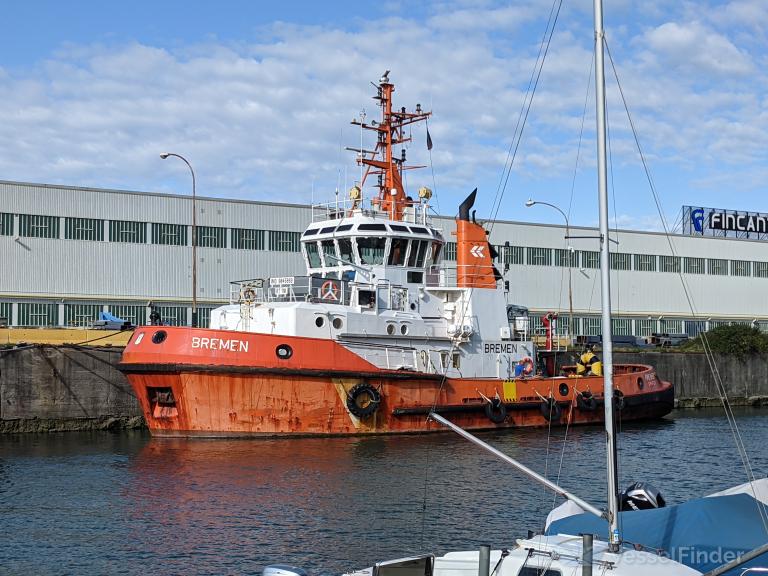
313 254
434 257
345 251
371 250
418 252
329 253
397 251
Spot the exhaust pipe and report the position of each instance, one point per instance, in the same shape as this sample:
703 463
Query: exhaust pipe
465 206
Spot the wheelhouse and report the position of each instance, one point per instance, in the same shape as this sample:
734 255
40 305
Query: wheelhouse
364 249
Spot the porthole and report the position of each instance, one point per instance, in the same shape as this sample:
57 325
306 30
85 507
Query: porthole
403 329
284 351
159 336
640 384
319 321
413 305
337 323
563 389
390 329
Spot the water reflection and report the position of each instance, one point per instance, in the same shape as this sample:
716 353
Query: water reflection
127 503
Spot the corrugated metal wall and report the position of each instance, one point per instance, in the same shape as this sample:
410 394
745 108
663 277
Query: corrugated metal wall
102 271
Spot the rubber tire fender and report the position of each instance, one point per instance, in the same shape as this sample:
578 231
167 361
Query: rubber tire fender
586 401
358 392
618 399
496 411
551 410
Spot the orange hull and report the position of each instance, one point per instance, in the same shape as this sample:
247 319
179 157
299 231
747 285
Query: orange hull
236 384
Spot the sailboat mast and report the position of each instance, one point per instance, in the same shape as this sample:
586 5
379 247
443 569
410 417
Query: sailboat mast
605 267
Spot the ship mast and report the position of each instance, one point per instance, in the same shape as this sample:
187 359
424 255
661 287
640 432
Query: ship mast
602 180
382 161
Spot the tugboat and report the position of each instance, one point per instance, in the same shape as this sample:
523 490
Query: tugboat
372 339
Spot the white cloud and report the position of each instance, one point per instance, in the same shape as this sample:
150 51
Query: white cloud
693 48
264 119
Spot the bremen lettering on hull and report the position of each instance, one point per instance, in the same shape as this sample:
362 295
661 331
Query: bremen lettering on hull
233 345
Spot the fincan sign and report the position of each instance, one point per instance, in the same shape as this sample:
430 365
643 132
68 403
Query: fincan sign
699 221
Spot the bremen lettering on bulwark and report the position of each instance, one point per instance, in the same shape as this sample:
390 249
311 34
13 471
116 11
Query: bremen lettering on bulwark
499 348
218 344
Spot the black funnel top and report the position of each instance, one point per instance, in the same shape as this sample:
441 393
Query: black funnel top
466 205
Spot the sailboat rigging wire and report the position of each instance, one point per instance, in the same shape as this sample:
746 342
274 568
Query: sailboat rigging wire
525 110
709 355
512 152
562 451
538 67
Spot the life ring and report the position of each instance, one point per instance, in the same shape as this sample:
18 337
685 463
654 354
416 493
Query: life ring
249 295
618 399
329 291
551 410
586 401
527 364
496 411
363 400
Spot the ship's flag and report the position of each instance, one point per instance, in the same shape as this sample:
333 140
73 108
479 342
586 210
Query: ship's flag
429 140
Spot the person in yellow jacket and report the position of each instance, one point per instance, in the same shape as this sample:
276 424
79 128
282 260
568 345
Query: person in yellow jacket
589 364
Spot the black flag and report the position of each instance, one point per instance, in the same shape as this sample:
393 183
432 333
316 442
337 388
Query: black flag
429 140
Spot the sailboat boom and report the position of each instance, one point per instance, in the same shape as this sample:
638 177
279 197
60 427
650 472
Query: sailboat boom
521 467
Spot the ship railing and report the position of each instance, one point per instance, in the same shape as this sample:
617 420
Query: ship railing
414 213
291 289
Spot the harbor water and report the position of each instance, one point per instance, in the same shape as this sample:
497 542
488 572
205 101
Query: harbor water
125 503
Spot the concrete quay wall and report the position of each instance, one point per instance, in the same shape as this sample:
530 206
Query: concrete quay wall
745 381
56 388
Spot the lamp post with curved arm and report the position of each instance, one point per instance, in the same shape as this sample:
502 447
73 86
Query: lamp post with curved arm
165 155
531 203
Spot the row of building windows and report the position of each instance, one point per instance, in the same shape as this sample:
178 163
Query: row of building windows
532 256
643 327
35 226
44 314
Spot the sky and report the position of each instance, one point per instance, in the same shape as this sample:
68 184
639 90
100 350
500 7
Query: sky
258 96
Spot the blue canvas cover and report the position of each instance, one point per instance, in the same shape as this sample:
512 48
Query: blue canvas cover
702 533
110 318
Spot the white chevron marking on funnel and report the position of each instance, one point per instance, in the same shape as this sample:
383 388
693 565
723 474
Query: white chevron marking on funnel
477 251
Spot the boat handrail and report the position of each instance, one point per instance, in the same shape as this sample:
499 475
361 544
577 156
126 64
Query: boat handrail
415 213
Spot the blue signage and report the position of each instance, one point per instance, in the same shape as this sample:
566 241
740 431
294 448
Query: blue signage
728 223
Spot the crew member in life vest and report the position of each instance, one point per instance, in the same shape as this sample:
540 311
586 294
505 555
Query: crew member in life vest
589 364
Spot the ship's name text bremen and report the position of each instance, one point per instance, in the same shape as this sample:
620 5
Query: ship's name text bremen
218 344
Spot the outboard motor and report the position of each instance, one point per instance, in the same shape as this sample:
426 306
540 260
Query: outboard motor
641 496
282 570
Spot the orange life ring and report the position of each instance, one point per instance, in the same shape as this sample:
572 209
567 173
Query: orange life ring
329 291
527 364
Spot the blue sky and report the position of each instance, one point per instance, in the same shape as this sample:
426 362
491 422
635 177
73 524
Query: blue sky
258 96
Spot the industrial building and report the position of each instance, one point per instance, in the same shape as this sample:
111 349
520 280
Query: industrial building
69 253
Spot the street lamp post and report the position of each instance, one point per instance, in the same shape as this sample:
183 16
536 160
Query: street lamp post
530 203
165 155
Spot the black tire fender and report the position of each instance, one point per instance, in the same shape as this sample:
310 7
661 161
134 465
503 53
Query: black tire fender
586 401
618 399
363 400
551 410
496 411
